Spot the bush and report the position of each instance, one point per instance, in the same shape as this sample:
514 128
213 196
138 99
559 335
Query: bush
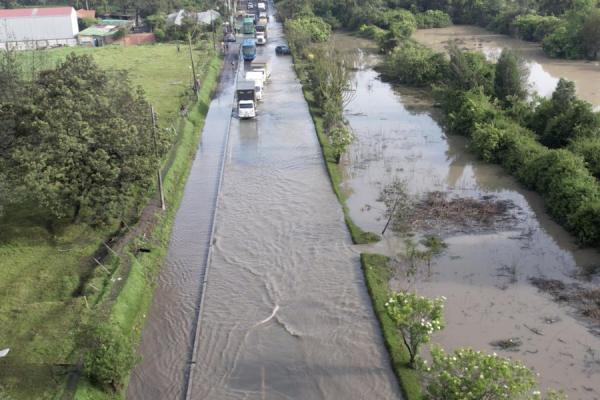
414 64
468 110
433 19
589 149
535 27
371 32
109 355
586 223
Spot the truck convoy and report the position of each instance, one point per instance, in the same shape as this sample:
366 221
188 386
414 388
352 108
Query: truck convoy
246 99
249 49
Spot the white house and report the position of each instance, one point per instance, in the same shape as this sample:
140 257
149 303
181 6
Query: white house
26 28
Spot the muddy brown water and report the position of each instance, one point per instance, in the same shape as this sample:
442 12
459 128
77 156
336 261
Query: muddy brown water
544 71
286 313
483 274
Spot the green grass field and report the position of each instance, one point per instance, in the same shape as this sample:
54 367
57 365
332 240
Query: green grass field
39 315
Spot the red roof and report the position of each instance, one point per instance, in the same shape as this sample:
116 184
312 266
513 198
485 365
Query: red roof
35 12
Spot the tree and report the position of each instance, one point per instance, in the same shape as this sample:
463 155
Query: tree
416 318
469 70
467 374
591 34
510 78
81 144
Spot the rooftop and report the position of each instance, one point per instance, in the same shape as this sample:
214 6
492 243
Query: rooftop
35 12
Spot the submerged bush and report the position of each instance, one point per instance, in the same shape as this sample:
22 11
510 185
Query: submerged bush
433 19
414 64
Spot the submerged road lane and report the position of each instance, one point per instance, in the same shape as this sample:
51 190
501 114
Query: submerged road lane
167 336
286 312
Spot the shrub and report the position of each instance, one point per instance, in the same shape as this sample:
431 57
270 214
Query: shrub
372 32
467 374
109 355
586 223
469 109
535 27
589 149
433 19
414 64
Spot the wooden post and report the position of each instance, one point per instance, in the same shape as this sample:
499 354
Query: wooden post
158 172
194 79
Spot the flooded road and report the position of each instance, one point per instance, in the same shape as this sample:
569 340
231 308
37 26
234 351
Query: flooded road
544 71
167 336
286 312
483 273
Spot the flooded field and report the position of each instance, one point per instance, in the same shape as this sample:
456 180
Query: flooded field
544 71
485 269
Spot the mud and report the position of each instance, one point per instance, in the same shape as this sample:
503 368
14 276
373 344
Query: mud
544 71
484 274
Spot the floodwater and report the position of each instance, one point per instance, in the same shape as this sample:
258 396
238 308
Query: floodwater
544 71
483 273
166 339
286 314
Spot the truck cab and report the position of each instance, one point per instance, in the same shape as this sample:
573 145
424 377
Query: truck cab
260 39
246 99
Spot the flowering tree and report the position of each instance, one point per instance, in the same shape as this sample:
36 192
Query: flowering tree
416 317
467 374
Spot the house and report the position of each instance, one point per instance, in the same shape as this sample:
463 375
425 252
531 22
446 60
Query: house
30 28
206 17
98 35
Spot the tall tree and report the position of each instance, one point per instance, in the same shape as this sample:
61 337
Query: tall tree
591 34
510 77
80 144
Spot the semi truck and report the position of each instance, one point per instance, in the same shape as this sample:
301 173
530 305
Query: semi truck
246 99
248 26
257 78
262 65
262 28
249 49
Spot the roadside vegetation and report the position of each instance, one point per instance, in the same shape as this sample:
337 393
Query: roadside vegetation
548 144
325 75
79 161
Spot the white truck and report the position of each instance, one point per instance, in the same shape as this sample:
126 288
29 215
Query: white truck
257 78
260 39
262 6
262 65
246 99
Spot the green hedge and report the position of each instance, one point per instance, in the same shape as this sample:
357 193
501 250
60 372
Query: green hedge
561 177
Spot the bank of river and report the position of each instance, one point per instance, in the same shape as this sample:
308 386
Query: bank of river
484 273
544 71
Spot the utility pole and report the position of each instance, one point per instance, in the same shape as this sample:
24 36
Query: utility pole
159 173
195 81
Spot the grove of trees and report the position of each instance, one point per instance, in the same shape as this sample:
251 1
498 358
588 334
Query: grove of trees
76 142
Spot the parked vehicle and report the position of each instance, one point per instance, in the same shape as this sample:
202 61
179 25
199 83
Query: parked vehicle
249 49
282 50
262 28
262 65
260 39
257 78
246 99
248 26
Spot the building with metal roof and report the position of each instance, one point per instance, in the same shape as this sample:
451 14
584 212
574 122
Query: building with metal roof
26 28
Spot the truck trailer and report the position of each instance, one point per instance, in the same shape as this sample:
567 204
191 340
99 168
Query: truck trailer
246 99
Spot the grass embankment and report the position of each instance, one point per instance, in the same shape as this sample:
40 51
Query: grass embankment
42 270
358 235
130 308
377 277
